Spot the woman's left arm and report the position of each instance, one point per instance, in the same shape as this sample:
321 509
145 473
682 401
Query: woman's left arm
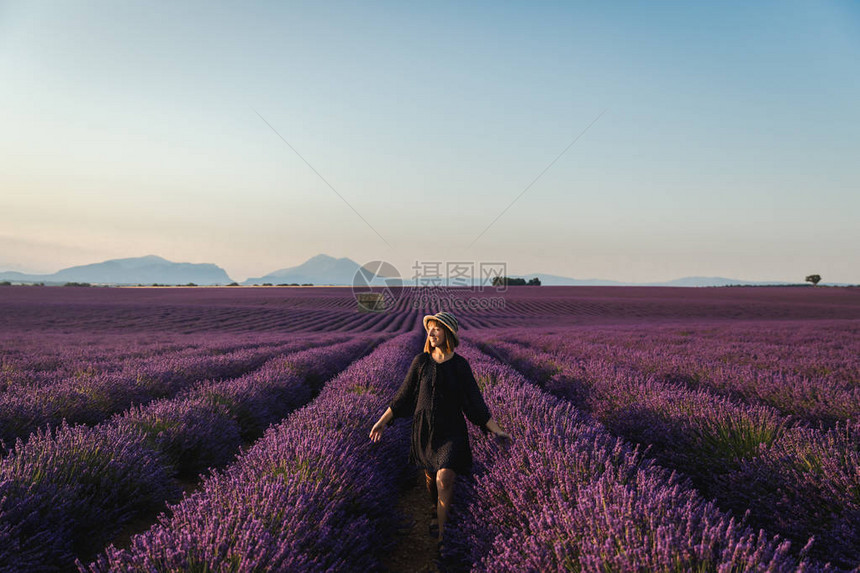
475 408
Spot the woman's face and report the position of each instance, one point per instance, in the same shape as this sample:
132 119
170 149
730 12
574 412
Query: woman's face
436 334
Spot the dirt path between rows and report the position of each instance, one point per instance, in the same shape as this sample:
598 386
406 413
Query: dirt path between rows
416 552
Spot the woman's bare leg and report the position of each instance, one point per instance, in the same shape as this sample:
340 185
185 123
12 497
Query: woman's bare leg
430 482
445 486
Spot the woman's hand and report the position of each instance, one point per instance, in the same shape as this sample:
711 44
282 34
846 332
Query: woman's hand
376 431
497 431
503 435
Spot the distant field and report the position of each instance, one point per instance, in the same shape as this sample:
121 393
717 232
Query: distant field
314 309
655 429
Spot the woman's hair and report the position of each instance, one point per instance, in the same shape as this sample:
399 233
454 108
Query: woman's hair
450 341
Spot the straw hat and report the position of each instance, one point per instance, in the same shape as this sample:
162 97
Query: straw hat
448 320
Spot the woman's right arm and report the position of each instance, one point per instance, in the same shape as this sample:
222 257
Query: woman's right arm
376 431
403 402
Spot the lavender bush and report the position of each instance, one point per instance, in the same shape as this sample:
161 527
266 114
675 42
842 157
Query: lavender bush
67 488
566 495
808 370
92 397
192 434
313 494
748 457
806 483
187 435
691 430
205 425
752 393
30 359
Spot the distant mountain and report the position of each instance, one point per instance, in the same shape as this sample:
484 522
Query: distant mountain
715 281
556 280
326 270
318 270
140 270
329 271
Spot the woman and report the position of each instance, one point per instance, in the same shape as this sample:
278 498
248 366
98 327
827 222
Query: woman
439 388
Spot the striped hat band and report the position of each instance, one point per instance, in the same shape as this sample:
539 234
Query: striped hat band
448 320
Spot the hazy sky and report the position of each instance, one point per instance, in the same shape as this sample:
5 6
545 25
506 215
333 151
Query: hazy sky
728 144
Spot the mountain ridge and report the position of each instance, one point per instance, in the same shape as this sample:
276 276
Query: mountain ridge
321 269
149 269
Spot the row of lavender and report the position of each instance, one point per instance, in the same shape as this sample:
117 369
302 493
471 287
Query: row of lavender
810 370
88 389
797 481
188 313
67 492
43 358
314 494
565 495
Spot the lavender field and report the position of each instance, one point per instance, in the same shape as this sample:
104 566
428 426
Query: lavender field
226 429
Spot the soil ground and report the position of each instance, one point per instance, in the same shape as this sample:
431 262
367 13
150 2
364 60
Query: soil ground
416 551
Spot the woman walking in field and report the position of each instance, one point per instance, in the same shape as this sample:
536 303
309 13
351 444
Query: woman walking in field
439 388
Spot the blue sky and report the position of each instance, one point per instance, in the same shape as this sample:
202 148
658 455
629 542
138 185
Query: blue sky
727 142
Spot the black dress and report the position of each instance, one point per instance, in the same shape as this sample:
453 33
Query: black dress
436 396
